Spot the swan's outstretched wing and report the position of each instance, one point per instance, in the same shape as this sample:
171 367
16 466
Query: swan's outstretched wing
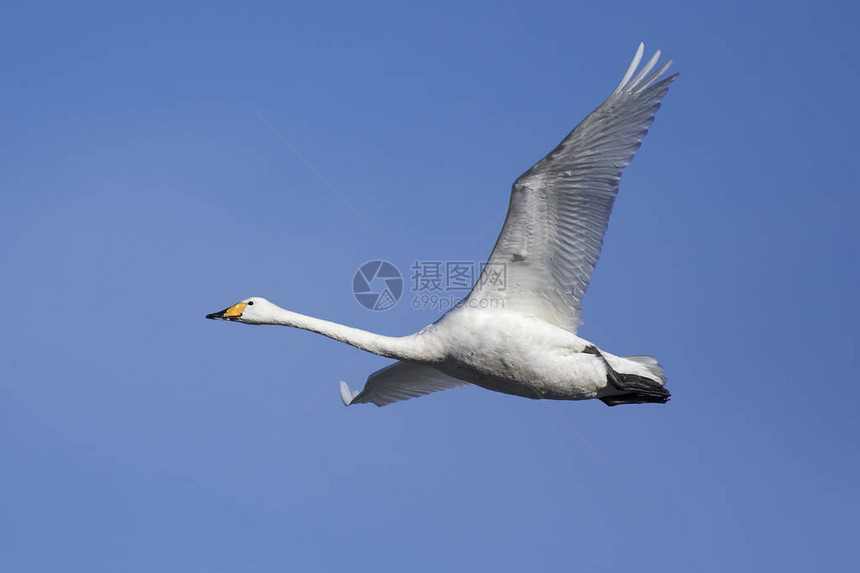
399 381
559 209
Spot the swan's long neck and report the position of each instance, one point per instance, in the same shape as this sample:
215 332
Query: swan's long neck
404 348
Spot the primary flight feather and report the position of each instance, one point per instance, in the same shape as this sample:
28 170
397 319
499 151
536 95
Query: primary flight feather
522 339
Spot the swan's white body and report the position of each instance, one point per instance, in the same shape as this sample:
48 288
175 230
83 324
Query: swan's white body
522 340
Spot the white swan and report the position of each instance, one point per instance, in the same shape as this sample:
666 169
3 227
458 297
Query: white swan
522 340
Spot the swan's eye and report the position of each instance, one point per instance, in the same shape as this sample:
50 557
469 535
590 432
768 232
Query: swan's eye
250 303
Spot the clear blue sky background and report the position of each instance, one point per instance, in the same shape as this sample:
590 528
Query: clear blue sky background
141 191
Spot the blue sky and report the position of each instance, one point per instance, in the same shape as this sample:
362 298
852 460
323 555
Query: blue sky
141 190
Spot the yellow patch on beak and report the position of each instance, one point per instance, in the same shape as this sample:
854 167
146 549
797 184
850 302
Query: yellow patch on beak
235 310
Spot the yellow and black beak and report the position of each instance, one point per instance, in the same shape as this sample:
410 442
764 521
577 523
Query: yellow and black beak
233 313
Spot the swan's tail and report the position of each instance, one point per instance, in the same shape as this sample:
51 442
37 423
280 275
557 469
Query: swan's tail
640 381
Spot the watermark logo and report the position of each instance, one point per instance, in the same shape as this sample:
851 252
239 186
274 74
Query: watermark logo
441 285
377 285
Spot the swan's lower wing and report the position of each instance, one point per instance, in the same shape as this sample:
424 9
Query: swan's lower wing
399 381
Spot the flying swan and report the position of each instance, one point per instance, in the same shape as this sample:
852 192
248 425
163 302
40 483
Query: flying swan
522 340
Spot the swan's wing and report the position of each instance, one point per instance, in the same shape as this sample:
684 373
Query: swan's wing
399 381
559 209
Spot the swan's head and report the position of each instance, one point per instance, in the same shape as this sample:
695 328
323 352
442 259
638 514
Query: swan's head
254 310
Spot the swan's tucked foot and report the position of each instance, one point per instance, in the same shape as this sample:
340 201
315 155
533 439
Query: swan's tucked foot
634 389
346 394
631 388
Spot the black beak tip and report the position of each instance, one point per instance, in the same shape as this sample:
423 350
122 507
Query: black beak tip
222 315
